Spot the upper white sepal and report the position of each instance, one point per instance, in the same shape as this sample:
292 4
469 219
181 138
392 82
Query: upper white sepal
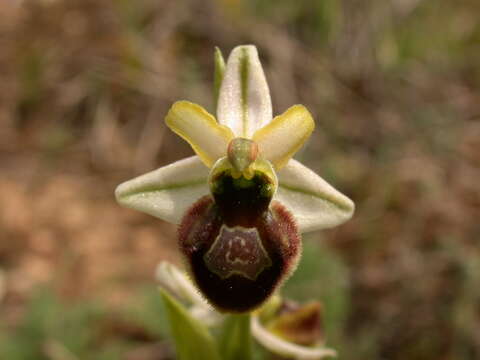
244 103
314 203
167 192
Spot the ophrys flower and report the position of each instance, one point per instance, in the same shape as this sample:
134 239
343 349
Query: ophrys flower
242 202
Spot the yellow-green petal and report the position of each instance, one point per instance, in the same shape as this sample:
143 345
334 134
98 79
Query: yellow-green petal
284 135
200 129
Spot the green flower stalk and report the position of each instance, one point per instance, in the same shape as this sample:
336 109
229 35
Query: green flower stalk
242 202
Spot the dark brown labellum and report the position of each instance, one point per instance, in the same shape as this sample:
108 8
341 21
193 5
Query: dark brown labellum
239 249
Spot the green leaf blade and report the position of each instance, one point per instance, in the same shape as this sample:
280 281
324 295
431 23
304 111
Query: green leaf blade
192 339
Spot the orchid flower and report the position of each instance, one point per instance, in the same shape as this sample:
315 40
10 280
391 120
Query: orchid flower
242 201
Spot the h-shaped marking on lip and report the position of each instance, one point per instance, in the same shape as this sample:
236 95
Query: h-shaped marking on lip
237 251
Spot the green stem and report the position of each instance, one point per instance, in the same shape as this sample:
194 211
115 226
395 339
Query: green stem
236 339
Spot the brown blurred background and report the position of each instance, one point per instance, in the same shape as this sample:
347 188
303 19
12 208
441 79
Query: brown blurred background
394 88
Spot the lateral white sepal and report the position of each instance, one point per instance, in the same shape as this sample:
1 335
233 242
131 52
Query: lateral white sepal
168 192
314 203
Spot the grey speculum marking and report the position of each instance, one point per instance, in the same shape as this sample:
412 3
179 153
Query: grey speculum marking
237 251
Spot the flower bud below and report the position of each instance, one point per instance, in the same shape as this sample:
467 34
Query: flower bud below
300 324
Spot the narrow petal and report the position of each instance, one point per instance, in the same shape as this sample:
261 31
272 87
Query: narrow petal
314 203
285 135
167 192
200 129
218 73
244 103
285 348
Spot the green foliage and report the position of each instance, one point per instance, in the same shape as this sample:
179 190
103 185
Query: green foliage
192 339
51 329
149 313
49 326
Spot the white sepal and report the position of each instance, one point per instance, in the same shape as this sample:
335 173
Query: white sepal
167 192
244 103
284 348
314 203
